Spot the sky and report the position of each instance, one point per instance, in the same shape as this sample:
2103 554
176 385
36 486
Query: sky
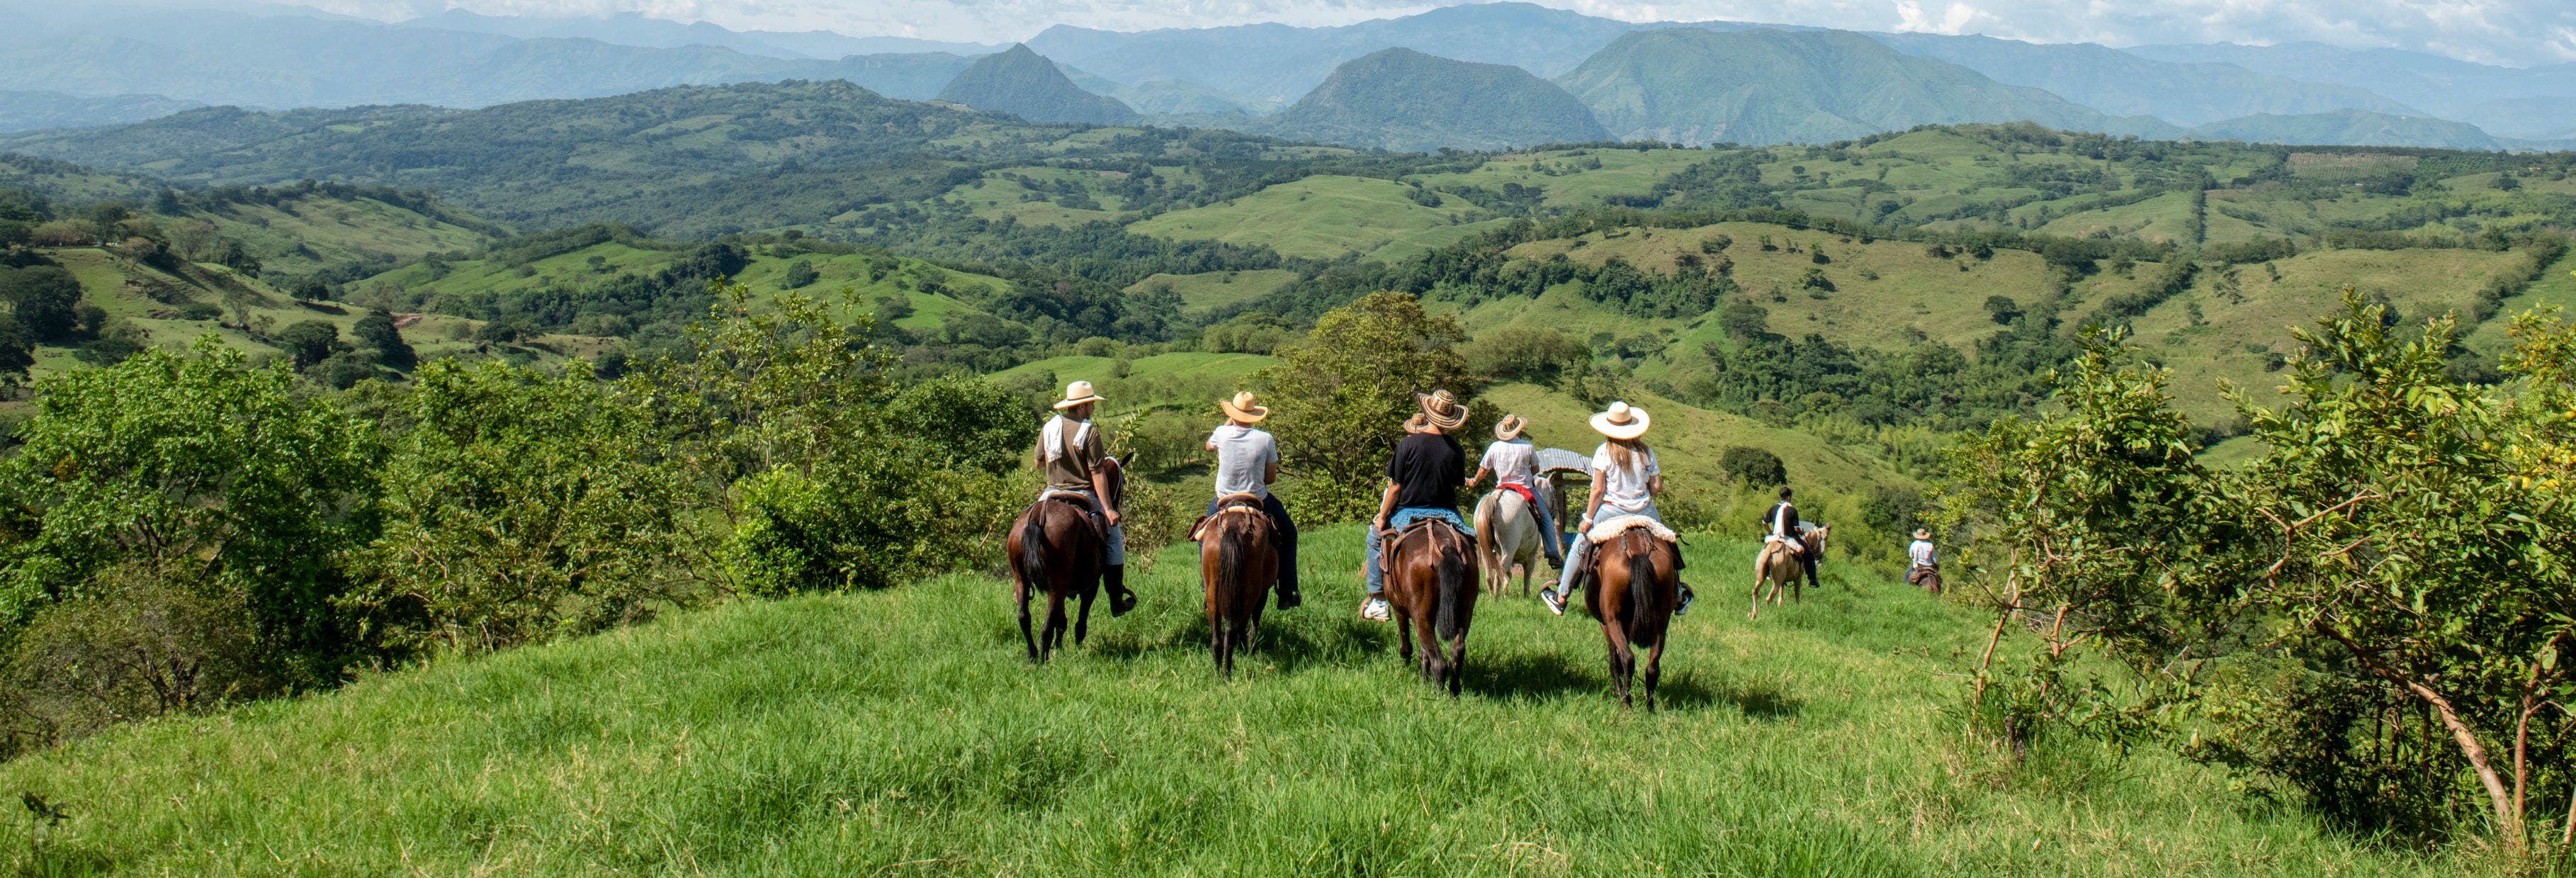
2509 32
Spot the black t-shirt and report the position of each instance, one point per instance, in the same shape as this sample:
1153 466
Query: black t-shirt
1428 469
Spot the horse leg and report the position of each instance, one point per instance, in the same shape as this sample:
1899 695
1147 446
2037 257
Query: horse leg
1082 615
1055 622
1622 661
1025 635
1435 660
1654 670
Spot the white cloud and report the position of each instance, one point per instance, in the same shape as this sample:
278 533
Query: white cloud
2518 32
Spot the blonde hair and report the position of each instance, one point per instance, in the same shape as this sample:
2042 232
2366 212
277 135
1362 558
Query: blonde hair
1624 453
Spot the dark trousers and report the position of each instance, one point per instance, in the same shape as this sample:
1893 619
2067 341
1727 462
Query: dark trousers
1287 539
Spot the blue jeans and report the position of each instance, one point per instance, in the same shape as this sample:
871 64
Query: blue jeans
1583 541
1402 517
1547 530
1287 539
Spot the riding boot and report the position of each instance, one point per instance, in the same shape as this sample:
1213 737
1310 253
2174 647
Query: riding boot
1288 597
1120 599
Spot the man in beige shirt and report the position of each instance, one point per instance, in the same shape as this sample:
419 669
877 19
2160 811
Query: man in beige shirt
1073 456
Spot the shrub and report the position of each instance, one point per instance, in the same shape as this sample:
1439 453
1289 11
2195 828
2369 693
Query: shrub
153 639
1752 467
308 341
1343 394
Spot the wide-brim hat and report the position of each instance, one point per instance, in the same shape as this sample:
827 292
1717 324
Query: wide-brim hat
1622 421
1241 408
1510 427
1078 393
1441 410
1922 533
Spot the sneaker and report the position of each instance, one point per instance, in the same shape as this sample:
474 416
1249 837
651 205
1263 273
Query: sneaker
1374 610
1684 607
1555 602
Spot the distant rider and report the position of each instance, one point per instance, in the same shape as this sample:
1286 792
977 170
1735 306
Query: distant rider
1921 562
1072 454
1247 461
1784 527
1422 481
1513 462
1625 480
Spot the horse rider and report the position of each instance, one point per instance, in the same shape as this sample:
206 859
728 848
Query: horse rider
1513 462
1423 478
1247 461
1784 527
1625 480
1921 559
1072 454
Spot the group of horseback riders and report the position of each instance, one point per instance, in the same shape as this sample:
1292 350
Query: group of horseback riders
1424 477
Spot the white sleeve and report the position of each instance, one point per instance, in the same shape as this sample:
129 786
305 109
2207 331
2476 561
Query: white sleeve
1653 468
1487 462
1269 450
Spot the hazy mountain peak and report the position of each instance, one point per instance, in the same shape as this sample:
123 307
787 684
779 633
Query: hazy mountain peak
1023 83
1401 99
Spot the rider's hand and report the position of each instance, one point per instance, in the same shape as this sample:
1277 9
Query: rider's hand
1378 526
1113 517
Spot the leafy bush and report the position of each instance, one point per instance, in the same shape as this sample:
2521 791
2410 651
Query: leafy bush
1341 397
1538 356
154 638
1752 467
308 341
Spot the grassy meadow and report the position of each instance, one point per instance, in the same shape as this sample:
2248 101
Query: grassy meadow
1324 217
902 733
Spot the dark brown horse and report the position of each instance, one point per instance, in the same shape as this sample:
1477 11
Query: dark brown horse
1637 581
1238 563
1054 547
1431 584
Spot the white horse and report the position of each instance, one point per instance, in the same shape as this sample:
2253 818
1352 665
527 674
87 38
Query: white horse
1508 535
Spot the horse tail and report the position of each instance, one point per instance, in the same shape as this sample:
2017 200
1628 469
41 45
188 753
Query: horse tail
1641 581
1486 510
1033 549
1229 569
1453 581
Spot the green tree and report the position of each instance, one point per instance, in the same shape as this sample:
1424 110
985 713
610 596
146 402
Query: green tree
377 330
520 506
800 274
195 460
44 298
1341 396
308 341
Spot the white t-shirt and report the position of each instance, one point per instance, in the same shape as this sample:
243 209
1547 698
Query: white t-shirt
1920 553
1624 490
1514 462
1243 454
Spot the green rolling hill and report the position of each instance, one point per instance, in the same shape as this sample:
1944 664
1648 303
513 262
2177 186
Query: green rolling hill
1693 86
1403 100
1018 82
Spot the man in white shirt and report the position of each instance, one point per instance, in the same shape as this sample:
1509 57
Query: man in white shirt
1247 461
1920 558
1513 462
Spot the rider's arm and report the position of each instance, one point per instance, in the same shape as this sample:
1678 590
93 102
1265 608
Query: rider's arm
1481 472
1386 505
1270 472
1654 484
1600 480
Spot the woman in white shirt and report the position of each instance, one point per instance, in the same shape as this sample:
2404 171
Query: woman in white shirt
1625 480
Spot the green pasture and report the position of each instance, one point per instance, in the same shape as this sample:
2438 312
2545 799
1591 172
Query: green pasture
1322 217
306 233
893 276
1201 293
902 733
1568 179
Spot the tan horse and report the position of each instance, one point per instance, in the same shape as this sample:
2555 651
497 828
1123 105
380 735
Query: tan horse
1431 586
1507 536
1774 567
1238 563
1637 581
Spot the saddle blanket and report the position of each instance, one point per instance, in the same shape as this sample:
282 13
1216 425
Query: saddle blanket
1523 490
1605 531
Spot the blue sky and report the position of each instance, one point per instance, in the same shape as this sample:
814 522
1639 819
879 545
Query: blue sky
2511 32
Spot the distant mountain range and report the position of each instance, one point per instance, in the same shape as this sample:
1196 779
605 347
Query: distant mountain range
108 63
1022 84
1403 100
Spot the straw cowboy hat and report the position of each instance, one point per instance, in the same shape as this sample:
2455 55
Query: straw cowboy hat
1510 427
1922 533
1241 409
1439 409
1078 393
1621 421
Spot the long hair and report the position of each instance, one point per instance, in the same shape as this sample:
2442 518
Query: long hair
1624 453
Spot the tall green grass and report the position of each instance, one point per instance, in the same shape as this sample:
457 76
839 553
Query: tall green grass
901 733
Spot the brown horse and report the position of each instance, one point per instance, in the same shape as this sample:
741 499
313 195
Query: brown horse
1238 563
1054 547
1637 579
1774 566
1431 584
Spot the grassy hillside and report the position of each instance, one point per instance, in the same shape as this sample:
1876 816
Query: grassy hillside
1207 291
1324 217
900 732
301 234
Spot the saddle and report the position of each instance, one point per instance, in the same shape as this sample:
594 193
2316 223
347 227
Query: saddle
1609 529
1231 504
1080 503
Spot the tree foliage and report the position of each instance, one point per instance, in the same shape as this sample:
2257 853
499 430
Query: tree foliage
1342 395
